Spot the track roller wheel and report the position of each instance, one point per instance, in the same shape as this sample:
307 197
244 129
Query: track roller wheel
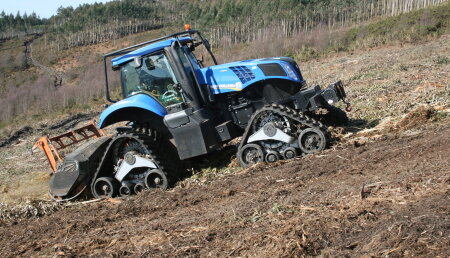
126 189
312 140
139 187
289 153
271 157
156 179
106 187
250 154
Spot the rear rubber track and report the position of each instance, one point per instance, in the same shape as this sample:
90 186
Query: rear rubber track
156 146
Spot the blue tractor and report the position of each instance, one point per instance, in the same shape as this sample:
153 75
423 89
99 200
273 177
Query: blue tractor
177 108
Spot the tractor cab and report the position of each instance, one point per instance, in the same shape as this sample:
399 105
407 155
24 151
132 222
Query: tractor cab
161 89
164 69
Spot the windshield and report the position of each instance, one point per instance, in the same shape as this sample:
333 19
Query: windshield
154 77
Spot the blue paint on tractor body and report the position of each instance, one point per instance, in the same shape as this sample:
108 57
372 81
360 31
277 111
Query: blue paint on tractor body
223 78
236 76
143 101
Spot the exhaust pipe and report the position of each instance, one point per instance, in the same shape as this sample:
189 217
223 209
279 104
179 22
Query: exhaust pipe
126 189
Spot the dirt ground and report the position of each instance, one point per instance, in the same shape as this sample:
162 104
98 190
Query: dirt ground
386 198
383 189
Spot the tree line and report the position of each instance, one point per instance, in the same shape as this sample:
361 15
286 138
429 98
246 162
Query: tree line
243 21
86 24
18 25
229 21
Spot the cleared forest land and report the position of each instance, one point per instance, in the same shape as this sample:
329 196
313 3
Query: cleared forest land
387 198
381 190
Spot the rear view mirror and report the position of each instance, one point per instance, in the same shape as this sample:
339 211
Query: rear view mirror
149 63
137 62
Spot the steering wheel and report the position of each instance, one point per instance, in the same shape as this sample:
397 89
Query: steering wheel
169 94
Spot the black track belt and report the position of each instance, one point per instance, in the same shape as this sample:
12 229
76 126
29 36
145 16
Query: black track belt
286 112
154 145
107 156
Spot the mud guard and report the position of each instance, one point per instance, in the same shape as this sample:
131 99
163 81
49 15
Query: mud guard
73 176
139 107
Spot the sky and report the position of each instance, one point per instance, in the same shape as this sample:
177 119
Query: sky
43 8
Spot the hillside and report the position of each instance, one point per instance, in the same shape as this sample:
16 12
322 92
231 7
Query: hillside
381 94
379 192
381 189
31 92
383 83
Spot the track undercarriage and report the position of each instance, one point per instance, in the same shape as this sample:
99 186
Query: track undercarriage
134 160
277 132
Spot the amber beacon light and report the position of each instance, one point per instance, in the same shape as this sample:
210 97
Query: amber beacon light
187 27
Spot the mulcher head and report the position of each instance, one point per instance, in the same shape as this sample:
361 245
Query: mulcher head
74 174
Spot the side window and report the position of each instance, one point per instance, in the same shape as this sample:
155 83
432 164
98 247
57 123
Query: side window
155 77
130 80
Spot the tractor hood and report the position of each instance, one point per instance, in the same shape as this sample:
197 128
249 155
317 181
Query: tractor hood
236 76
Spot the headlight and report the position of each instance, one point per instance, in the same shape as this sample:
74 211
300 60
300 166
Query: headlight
290 72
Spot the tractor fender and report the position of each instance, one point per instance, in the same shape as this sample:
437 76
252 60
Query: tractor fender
138 108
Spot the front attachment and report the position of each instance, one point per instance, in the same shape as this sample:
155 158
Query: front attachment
52 145
77 169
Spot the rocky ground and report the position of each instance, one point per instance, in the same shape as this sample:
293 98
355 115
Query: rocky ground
382 190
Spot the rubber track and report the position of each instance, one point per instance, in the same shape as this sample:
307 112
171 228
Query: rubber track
157 147
287 112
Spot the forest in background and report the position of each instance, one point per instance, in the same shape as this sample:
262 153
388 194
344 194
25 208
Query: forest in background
300 29
224 21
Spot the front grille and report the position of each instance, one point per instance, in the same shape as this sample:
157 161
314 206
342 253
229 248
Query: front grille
243 73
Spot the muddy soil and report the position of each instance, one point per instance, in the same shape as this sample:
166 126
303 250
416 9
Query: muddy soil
385 198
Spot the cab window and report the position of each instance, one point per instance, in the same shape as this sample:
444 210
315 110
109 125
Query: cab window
154 77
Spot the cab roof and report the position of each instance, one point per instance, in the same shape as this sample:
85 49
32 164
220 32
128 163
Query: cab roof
146 50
